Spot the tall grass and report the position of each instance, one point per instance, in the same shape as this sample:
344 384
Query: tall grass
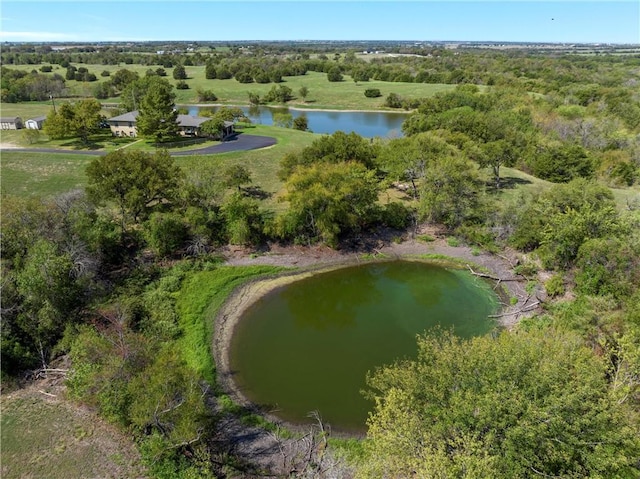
201 296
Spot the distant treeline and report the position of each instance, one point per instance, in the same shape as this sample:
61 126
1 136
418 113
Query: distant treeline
535 72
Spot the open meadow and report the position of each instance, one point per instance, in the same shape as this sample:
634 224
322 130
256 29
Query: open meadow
344 95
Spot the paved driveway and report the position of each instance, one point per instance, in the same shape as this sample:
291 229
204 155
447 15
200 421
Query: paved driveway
240 142
237 143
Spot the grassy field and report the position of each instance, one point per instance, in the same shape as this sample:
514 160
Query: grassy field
25 110
47 174
515 181
263 164
345 95
41 174
52 438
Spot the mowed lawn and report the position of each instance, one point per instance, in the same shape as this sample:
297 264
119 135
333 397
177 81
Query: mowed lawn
41 174
49 174
344 95
25 110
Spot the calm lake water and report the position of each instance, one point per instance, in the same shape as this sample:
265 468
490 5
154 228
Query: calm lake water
367 124
309 345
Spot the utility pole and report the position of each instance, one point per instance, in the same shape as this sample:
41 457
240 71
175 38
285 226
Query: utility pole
53 102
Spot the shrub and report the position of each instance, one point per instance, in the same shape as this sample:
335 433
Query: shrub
372 93
244 77
526 269
210 71
182 85
105 73
396 215
165 233
393 100
300 123
334 74
425 238
206 95
476 235
32 136
280 93
46 68
179 73
608 266
555 285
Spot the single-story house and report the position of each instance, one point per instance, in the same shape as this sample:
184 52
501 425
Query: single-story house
189 125
11 123
35 123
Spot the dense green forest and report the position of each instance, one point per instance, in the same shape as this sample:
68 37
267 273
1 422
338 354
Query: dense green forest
124 276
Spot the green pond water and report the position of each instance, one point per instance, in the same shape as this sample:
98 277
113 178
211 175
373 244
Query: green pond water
309 345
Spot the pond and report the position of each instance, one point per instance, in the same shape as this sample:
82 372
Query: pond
309 345
366 124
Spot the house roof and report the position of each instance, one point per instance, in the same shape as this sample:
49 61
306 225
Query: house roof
188 120
38 118
129 116
182 120
10 119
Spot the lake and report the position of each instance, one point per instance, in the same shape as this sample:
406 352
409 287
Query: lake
367 124
309 345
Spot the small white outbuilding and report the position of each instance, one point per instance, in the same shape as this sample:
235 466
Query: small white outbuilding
35 123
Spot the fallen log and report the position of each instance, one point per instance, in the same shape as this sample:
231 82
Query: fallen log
525 309
488 276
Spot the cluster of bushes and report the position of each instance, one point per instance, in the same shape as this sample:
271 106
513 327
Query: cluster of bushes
500 128
19 85
79 74
245 70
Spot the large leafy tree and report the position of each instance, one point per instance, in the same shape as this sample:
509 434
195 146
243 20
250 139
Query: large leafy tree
336 148
327 200
80 119
157 114
136 181
406 159
237 175
179 73
525 405
450 191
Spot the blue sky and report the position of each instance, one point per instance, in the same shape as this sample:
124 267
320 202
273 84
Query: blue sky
217 20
